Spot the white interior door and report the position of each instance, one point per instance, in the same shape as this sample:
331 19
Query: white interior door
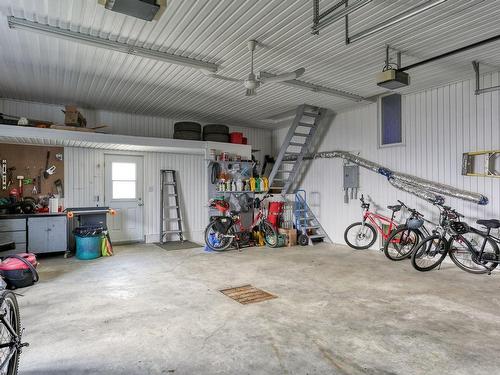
123 191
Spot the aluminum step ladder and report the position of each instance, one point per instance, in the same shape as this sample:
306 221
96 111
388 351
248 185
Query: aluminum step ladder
295 146
170 213
306 222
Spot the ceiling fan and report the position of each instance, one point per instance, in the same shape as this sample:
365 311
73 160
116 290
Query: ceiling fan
254 81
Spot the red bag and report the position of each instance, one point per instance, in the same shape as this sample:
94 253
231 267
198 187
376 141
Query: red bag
19 270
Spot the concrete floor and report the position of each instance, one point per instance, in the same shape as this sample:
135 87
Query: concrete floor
339 311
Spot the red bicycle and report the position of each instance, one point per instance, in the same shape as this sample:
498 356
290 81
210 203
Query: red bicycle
362 235
225 230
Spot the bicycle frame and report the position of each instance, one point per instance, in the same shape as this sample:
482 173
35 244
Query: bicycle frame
486 236
255 221
375 219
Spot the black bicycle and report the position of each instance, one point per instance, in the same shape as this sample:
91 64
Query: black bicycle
404 239
10 328
455 238
480 253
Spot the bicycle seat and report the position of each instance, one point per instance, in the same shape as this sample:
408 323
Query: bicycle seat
489 223
395 208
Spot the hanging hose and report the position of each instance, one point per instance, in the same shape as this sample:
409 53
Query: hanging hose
214 175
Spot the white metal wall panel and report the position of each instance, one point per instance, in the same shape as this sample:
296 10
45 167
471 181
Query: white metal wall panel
43 68
84 186
440 124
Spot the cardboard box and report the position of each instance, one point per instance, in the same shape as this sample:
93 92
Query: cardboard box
73 117
291 235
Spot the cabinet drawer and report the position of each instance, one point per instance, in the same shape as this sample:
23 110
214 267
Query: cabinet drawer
8 225
17 237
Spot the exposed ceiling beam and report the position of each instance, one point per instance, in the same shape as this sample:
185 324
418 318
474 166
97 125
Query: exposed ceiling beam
22 24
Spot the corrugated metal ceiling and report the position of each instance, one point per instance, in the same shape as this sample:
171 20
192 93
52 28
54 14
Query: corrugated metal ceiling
46 69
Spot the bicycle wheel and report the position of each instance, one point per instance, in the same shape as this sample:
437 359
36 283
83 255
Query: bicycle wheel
401 243
270 234
360 236
218 241
429 253
464 252
10 353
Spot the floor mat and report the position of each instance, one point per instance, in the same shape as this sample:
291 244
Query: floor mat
178 245
246 294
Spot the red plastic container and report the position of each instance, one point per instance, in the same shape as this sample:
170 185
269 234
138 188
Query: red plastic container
245 141
274 212
236 137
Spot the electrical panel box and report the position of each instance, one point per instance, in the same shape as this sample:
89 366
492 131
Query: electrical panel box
351 176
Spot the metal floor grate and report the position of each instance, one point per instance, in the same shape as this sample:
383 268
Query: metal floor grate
246 294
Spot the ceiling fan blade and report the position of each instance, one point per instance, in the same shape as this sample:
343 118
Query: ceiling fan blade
283 77
218 76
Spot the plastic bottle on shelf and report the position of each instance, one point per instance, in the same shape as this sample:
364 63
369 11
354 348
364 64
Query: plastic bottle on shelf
228 185
247 186
265 184
233 186
252 183
258 183
239 185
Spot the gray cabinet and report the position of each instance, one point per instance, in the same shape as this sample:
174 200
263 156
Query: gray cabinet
47 234
13 230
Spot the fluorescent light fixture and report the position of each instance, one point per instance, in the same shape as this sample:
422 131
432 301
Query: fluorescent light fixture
321 89
22 24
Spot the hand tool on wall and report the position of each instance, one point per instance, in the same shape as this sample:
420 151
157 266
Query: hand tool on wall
10 176
45 173
39 182
59 187
50 171
4 174
34 191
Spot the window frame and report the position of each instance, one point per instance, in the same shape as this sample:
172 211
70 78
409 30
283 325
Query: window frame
121 180
380 124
